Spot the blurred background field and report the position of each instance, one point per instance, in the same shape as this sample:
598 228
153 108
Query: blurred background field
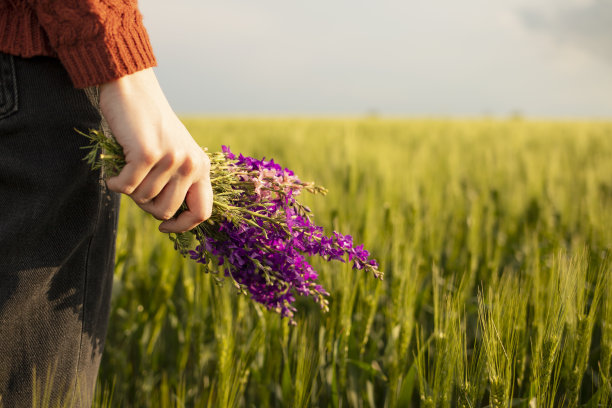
494 236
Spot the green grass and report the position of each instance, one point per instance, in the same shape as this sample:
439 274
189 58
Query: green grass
494 237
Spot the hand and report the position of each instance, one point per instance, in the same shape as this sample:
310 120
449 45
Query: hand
164 165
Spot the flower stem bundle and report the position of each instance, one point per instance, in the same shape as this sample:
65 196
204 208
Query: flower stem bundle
259 235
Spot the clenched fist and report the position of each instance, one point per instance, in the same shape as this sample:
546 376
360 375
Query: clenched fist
164 165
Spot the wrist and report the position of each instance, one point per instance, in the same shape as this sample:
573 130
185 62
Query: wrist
138 82
134 92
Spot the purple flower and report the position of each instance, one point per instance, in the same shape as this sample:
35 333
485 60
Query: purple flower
264 253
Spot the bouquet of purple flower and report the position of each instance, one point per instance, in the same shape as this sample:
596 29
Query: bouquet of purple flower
259 235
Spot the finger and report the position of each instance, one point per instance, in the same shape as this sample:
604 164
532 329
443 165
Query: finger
199 201
155 181
130 177
166 204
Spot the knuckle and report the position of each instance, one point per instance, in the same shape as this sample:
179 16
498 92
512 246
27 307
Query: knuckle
126 189
154 214
169 160
199 218
187 167
141 200
166 214
202 215
149 157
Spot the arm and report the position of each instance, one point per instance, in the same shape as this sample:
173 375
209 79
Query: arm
96 40
104 42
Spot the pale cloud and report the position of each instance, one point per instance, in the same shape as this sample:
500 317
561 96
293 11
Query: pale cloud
585 25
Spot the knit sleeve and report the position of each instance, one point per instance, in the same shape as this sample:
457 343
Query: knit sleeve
96 40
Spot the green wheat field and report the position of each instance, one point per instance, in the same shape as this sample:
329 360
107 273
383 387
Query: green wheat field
495 237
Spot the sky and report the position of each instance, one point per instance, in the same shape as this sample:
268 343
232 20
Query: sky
536 58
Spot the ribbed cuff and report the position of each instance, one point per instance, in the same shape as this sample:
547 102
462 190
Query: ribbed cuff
21 34
121 53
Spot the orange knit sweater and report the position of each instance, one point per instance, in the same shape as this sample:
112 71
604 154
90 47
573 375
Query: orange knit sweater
96 40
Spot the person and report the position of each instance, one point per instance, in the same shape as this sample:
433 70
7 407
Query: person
67 65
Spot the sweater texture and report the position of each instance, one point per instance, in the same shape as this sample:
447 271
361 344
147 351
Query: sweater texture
96 40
